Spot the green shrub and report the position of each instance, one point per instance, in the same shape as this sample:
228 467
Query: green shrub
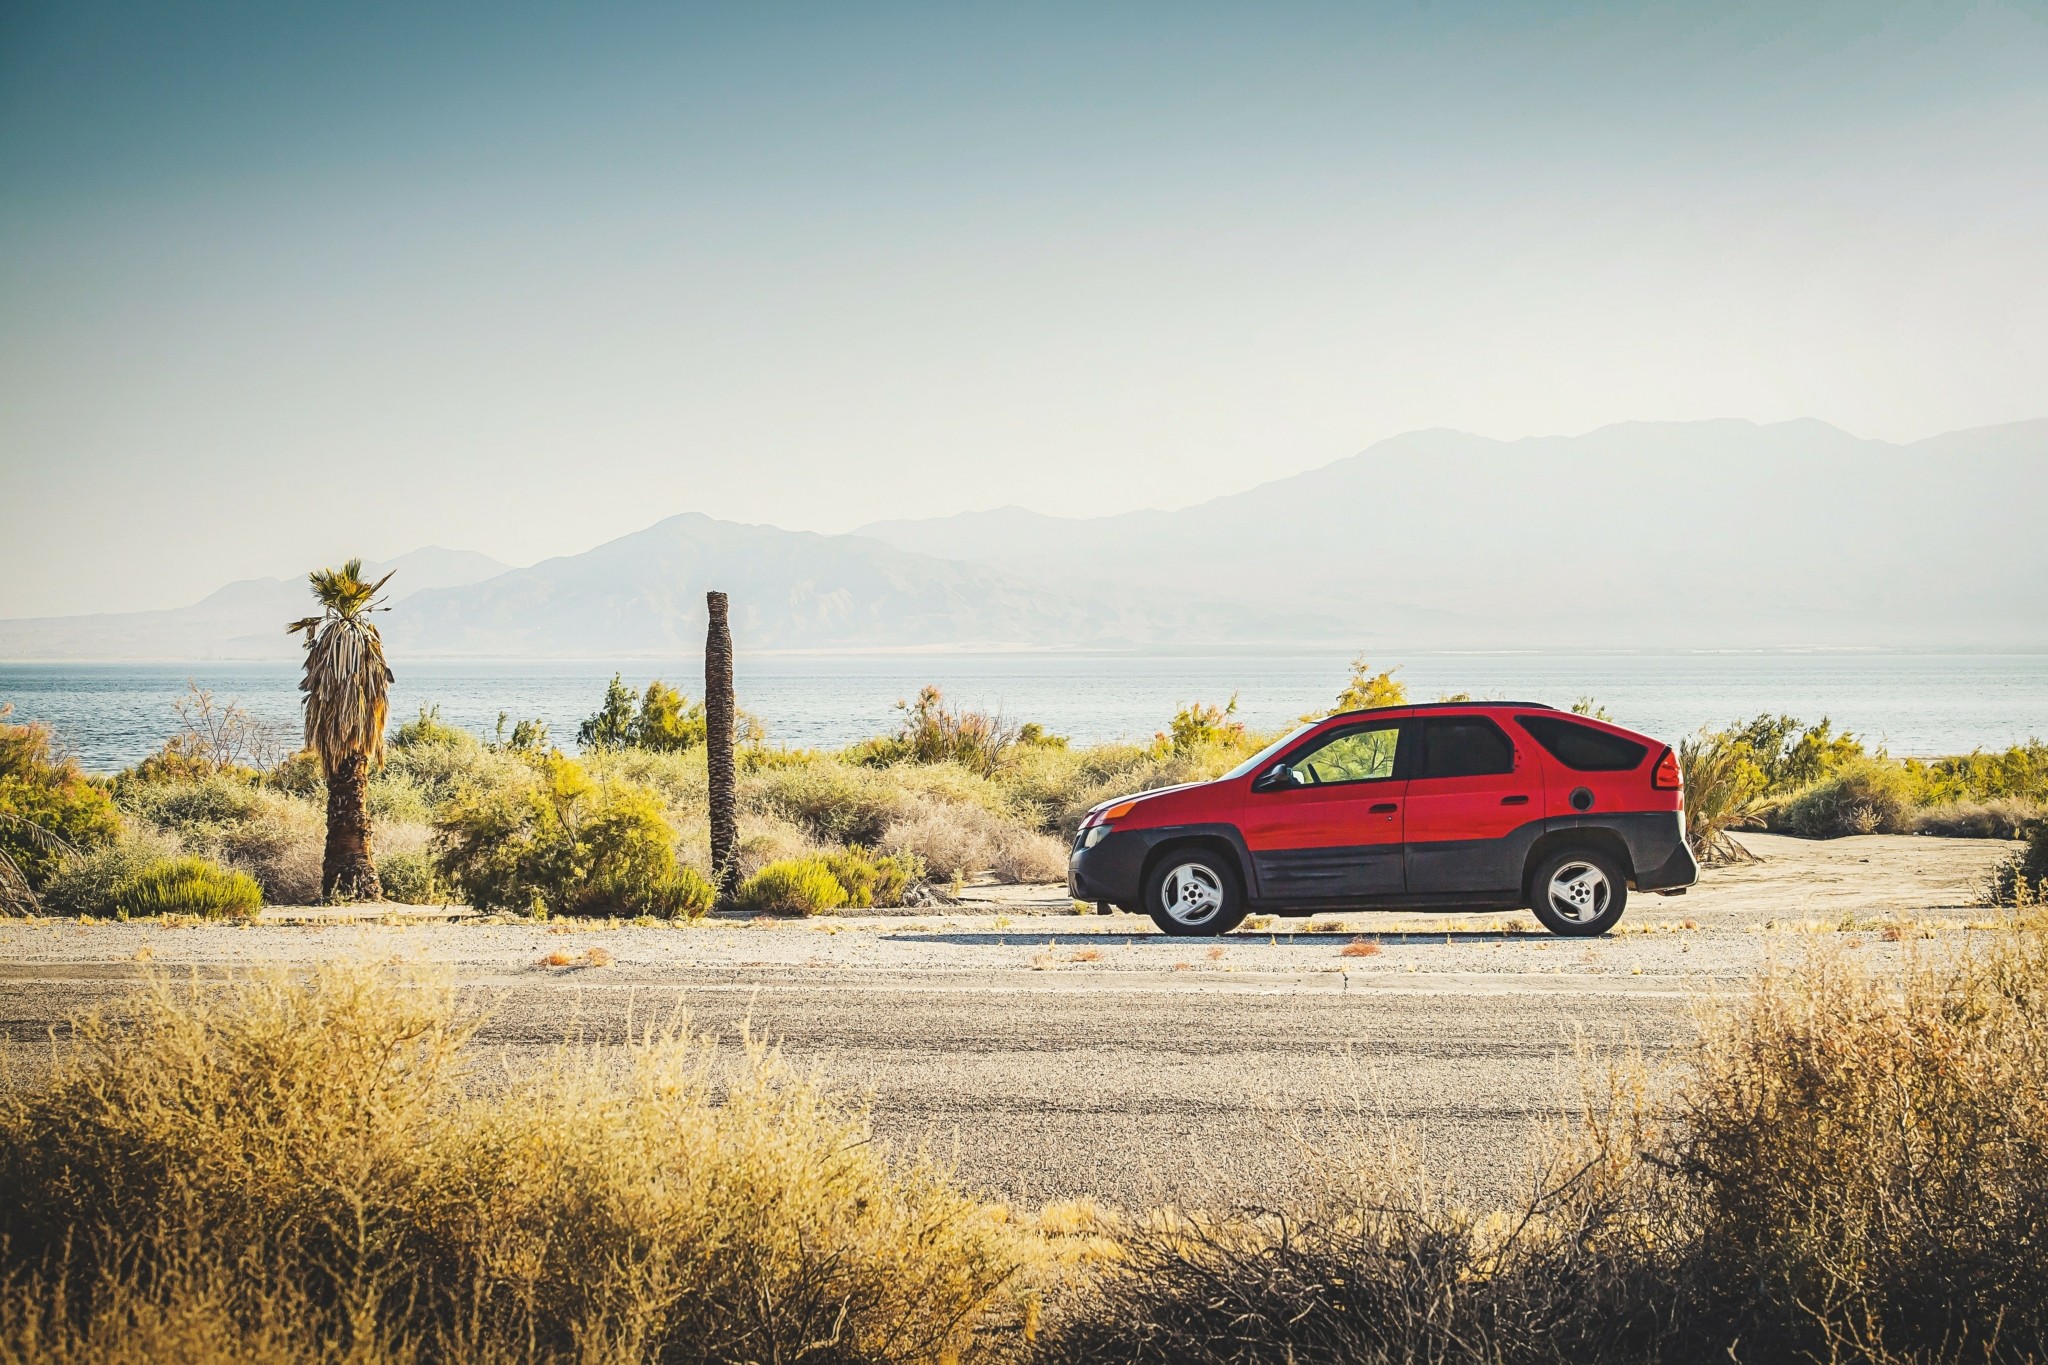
873 880
85 884
188 886
1198 724
413 878
1365 690
836 802
558 842
237 819
798 886
48 808
429 731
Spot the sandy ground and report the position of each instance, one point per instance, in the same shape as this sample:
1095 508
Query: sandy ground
1059 1054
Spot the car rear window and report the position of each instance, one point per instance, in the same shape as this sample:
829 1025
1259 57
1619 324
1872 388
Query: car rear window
1465 746
1581 747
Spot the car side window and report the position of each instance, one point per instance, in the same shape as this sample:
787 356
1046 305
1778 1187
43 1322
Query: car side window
1465 746
1365 754
1582 748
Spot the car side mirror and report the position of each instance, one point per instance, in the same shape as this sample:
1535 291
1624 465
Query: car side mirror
1276 778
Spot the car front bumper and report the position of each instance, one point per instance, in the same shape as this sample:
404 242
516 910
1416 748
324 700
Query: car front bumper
1113 870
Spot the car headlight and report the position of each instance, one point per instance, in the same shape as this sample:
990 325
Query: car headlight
1094 835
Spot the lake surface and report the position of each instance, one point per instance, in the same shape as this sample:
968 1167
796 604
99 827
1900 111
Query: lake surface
112 715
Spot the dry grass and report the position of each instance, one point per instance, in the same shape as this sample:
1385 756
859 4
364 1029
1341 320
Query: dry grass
1360 947
1086 955
280 1171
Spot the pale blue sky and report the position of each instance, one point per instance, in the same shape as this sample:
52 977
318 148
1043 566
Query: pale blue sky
279 286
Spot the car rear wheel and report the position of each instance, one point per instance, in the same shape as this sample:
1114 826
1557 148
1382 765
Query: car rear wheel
1194 893
1580 892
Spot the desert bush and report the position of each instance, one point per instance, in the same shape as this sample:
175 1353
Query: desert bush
933 732
2022 879
84 884
1198 724
800 886
1366 690
237 819
187 886
1870 1157
1723 790
2004 817
1375 1262
2020 773
272 1170
873 880
413 877
953 840
1863 796
561 843
836 802
48 810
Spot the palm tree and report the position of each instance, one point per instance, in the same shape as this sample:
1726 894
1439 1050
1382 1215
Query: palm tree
718 737
348 694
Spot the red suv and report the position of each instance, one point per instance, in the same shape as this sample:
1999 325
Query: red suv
1457 806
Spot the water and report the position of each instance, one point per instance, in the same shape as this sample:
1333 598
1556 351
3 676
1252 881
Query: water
1921 704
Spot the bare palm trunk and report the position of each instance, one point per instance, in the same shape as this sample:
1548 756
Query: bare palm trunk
718 725
348 873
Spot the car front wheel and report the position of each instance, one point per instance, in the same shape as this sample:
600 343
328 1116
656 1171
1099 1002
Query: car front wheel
1194 893
1580 892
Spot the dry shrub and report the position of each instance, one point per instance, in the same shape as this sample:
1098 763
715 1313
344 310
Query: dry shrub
270 1171
1360 947
1855 1167
1377 1264
1872 1156
1863 796
766 840
2004 817
955 840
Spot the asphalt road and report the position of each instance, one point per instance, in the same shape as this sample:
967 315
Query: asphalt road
1056 1055
1130 1087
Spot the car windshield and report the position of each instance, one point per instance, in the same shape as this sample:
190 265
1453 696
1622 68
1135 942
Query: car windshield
1265 755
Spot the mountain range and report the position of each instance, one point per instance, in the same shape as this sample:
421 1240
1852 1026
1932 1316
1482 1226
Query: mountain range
1712 535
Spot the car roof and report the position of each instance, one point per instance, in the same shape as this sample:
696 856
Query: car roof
1406 707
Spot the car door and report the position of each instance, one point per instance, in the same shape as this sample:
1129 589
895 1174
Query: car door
1329 826
1474 794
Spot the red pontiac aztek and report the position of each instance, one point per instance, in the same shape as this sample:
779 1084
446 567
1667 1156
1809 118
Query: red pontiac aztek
1456 806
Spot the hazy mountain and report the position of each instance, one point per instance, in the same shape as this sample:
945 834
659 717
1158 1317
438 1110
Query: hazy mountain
1698 535
244 620
1701 534
644 594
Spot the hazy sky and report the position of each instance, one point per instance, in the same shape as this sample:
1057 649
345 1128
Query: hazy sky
282 282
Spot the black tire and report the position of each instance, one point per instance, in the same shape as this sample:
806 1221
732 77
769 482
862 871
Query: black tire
1194 892
1579 892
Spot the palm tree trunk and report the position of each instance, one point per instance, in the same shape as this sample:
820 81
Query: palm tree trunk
718 727
348 873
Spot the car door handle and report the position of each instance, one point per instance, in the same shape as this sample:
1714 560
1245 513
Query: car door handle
1381 808
1514 800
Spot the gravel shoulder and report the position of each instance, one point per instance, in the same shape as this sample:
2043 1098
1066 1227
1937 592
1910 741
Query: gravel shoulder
1058 1054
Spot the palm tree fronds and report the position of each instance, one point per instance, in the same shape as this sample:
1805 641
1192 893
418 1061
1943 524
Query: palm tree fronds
15 892
346 682
47 840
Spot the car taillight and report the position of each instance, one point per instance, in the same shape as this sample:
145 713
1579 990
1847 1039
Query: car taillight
1667 778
